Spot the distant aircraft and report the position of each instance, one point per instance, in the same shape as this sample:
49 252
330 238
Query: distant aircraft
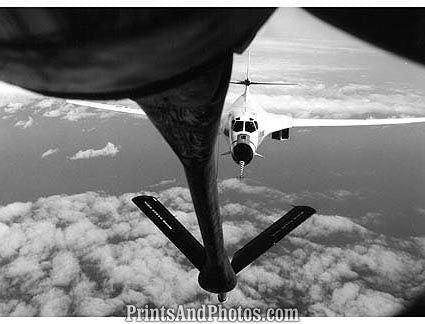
246 124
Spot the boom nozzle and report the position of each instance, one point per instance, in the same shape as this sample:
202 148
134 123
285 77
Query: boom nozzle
222 297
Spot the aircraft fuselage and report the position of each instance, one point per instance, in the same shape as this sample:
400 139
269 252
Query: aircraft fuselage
243 129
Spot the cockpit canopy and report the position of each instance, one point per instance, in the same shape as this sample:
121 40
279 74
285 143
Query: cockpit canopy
240 125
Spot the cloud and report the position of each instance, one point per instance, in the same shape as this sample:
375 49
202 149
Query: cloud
10 212
306 45
341 194
46 103
64 111
90 254
331 104
372 218
49 152
65 269
334 194
109 150
163 183
354 299
235 185
25 124
320 226
421 211
14 107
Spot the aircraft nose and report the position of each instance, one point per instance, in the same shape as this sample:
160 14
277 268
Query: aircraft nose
242 152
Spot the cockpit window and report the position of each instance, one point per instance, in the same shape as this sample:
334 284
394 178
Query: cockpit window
238 126
250 127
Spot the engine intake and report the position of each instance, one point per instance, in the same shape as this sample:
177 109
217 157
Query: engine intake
242 152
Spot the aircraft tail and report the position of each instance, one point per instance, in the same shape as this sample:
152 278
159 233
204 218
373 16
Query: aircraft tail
248 63
247 82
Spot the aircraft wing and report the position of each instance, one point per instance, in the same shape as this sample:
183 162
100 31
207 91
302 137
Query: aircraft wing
303 122
270 122
103 106
274 122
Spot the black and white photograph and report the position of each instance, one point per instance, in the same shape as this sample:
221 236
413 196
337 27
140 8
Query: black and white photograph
252 164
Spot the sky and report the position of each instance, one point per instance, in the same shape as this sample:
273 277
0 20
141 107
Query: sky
74 244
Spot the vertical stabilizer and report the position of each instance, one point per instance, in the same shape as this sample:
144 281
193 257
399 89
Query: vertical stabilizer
247 65
247 82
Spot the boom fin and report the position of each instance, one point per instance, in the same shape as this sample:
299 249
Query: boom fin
269 237
172 228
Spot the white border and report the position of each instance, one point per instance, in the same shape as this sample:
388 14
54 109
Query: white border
303 320
210 3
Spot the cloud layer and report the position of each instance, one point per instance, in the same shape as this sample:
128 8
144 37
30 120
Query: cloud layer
320 100
109 150
31 106
92 253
